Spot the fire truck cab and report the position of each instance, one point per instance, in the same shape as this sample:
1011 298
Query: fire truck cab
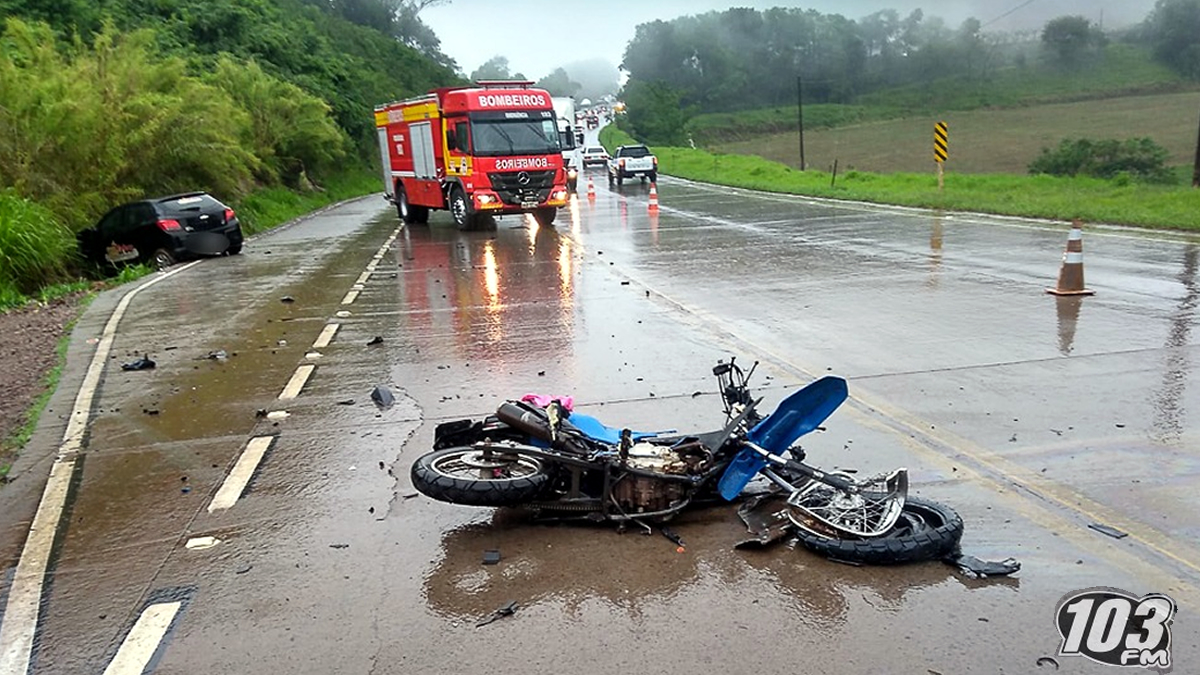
478 151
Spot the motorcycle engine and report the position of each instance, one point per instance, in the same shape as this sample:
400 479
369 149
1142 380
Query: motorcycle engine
638 493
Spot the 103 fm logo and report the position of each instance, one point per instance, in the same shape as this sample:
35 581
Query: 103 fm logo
1117 628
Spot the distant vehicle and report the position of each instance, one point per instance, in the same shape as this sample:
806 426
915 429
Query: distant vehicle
632 161
163 230
594 155
593 122
570 138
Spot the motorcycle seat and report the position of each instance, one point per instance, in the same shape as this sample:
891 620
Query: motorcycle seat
596 430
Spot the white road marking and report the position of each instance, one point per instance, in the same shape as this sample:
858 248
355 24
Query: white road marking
371 267
362 278
313 355
235 482
299 379
24 596
326 335
143 640
350 298
278 415
343 314
201 543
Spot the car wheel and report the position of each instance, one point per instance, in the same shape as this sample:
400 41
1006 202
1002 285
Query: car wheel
545 217
234 249
161 259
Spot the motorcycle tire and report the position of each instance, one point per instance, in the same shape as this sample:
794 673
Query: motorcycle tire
430 476
926 530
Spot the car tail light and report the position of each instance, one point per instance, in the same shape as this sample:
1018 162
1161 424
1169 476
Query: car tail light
655 161
229 214
168 225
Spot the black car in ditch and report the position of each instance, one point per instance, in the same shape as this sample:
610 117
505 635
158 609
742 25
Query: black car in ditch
163 230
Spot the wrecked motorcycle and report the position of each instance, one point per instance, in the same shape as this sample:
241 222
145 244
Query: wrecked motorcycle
566 465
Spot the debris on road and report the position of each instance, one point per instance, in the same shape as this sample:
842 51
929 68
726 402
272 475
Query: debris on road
150 411
1047 661
287 299
244 569
974 568
348 401
216 355
674 537
377 340
382 396
144 363
201 543
339 546
506 610
1110 531
491 557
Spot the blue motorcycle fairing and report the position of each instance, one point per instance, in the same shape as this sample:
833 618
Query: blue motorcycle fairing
797 415
598 431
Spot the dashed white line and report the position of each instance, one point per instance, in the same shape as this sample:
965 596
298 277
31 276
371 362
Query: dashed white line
299 379
362 278
143 640
350 297
326 335
239 477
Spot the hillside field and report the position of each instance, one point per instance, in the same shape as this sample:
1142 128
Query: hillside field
987 141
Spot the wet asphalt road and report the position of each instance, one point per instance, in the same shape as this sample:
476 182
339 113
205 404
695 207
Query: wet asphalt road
1033 417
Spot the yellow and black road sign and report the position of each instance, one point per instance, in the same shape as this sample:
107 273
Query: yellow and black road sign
940 142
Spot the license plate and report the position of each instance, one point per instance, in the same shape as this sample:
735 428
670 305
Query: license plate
529 204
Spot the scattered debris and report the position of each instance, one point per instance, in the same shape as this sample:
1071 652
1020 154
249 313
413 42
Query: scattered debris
218 355
673 536
244 569
697 393
624 283
491 557
260 413
408 496
287 299
348 401
201 543
150 411
381 466
281 343
339 546
1110 531
377 340
974 568
1047 661
144 363
506 610
278 415
382 396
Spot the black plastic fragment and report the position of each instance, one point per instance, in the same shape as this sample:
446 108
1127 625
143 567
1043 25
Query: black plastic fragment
382 396
975 568
377 340
144 363
1110 531
491 557
506 610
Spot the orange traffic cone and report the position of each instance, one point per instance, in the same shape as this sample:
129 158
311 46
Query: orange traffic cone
1070 277
653 197
591 190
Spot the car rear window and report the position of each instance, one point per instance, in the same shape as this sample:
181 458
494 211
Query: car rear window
193 203
635 151
594 151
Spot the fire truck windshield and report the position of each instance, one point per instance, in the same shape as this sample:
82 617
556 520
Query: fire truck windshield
490 138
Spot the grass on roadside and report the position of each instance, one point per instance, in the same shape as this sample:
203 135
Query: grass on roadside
271 207
1091 199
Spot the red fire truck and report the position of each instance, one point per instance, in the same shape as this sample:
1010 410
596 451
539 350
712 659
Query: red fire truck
478 151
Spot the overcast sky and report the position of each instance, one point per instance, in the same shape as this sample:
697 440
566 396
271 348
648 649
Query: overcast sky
539 35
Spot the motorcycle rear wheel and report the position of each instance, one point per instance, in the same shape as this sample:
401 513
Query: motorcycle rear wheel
480 476
926 530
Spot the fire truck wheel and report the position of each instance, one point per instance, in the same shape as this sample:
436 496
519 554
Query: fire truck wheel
460 208
545 217
408 213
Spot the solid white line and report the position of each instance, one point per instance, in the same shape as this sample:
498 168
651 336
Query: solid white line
350 298
294 385
235 482
143 639
326 335
24 596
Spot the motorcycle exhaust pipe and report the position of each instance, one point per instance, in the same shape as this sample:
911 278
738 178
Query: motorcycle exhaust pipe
532 422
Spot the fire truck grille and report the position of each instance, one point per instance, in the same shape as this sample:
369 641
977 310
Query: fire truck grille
513 187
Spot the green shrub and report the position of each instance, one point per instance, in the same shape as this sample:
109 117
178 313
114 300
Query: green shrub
1136 157
34 246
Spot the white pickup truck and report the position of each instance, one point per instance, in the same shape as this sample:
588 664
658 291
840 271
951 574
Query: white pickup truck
632 161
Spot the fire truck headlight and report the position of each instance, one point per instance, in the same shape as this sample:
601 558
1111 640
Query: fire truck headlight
572 173
559 196
486 199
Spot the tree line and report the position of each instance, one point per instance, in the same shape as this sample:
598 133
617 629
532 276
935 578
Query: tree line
744 58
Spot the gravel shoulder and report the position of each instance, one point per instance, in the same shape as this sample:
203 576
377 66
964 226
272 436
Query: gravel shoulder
29 339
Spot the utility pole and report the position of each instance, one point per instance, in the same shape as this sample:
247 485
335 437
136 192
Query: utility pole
1195 169
800 118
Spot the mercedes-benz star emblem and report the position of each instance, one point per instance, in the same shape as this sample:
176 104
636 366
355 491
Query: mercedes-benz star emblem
523 178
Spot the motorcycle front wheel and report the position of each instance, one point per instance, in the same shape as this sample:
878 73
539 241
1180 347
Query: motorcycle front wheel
480 475
925 530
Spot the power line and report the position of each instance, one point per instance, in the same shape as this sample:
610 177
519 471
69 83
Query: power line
1011 11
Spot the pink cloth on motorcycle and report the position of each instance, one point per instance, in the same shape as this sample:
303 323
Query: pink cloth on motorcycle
542 400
